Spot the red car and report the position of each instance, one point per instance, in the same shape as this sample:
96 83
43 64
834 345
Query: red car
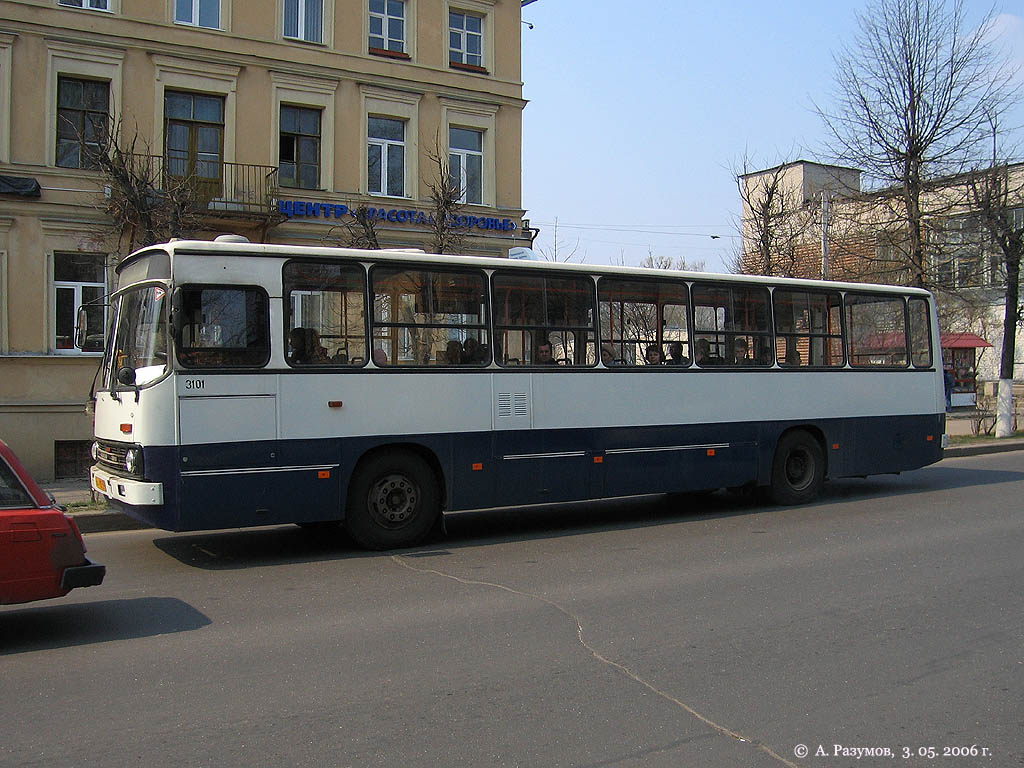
41 550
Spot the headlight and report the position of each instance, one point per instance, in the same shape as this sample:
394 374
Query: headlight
132 460
95 451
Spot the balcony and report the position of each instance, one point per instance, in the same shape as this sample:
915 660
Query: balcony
211 188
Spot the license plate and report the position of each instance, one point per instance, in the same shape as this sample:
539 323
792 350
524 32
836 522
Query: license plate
101 484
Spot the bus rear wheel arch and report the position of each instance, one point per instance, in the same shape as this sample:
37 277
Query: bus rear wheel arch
798 468
394 500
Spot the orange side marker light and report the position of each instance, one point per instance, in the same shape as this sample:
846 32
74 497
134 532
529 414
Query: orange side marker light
711 451
478 466
126 429
324 474
835 446
931 438
599 459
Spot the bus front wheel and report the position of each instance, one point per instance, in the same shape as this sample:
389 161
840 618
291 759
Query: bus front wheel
393 501
798 469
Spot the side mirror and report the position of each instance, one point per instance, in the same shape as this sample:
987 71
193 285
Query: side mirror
82 328
126 376
177 317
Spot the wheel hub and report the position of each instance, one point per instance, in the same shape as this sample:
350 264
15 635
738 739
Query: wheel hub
394 499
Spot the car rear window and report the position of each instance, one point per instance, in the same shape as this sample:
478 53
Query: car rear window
12 494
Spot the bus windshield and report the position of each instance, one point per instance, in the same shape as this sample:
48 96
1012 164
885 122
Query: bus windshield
138 339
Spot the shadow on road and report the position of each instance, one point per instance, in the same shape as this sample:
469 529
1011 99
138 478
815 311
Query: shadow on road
251 548
38 627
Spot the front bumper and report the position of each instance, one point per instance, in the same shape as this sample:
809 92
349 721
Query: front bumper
88 575
133 492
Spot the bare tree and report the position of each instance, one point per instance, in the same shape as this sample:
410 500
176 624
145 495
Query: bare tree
776 223
446 197
914 95
143 200
359 231
997 194
652 261
560 251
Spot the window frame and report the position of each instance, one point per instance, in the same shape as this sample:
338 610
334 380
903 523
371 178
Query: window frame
88 5
497 342
811 335
464 155
297 138
659 340
179 347
288 291
385 146
77 287
300 22
193 126
83 164
733 334
196 14
485 327
464 34
906 365
385 19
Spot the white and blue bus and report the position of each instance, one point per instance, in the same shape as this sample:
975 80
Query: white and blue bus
250 384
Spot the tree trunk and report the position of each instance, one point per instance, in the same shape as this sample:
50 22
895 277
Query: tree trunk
1004 402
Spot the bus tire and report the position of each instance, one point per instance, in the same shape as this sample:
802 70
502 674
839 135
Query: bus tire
798 469
393 501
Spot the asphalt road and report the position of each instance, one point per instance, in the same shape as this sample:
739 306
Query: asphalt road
652 632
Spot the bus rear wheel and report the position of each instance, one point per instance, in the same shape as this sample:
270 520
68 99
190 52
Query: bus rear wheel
393 501
798 469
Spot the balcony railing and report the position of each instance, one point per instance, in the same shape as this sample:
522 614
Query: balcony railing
218 188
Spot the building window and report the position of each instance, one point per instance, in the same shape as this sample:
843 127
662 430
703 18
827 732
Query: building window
304 20
198 13
466 160
387 25
79 280
385 156
465 39
96 5
300 147
82 117
194 139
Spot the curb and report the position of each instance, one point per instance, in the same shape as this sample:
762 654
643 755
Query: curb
106 522
978 449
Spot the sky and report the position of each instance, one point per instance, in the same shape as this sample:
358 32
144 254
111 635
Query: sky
639 112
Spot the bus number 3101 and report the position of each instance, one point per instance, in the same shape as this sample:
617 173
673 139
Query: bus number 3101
195 384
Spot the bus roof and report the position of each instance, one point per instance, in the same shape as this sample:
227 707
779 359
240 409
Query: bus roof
398 255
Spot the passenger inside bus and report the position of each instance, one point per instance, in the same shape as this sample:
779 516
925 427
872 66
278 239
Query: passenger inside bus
741 352
653 355
675 354
543 356
454 353
608 355
306 348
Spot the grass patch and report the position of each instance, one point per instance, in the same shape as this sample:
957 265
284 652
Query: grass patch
86 506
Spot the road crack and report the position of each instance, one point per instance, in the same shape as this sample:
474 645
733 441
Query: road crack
596 654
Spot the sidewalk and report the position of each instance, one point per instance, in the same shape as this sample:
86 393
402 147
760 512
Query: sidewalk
96 517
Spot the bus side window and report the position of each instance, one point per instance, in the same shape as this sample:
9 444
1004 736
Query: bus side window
543 319
645 322
326 313
732 325
808 328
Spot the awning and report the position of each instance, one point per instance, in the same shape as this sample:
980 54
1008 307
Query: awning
962 341
22 187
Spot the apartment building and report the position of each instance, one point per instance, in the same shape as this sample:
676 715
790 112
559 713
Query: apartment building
809 220
290 114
